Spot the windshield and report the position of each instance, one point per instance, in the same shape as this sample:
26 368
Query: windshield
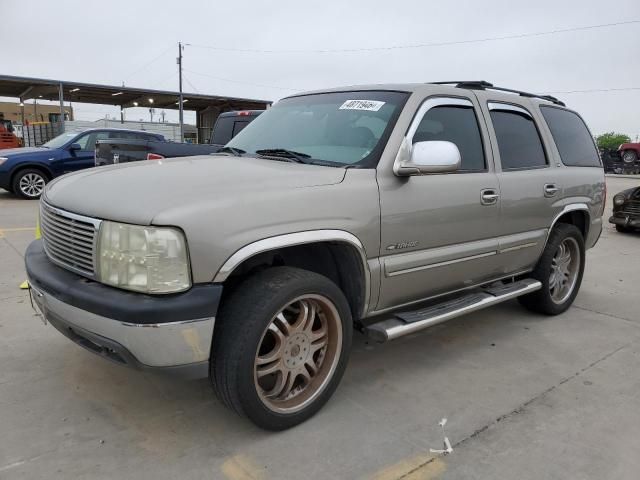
60 140
344 128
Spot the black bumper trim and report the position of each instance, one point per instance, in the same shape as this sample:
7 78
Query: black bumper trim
200 301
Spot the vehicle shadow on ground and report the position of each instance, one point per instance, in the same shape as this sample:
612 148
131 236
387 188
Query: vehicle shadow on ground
168 412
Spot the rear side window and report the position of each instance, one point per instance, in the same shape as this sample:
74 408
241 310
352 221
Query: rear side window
572 137
223 130
456 124
238 126
518 140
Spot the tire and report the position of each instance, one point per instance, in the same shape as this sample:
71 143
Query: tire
623 229
553 298
249 342
629 157
29 183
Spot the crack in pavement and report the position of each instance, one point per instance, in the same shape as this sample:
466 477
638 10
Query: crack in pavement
606 314
519 409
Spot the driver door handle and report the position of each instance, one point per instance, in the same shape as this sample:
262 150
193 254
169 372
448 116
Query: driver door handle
550 189
489 196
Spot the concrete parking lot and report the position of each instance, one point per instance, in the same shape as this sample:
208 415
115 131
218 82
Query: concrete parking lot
526 396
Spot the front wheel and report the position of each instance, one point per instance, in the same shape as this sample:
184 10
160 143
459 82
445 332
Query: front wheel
560 270
29 183
280 346
623 229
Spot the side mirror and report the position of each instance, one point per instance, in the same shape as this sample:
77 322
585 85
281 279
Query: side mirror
75 146
435 156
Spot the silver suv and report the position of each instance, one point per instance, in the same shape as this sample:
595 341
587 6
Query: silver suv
385 209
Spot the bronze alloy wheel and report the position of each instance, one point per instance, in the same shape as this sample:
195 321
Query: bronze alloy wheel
298 353
565 266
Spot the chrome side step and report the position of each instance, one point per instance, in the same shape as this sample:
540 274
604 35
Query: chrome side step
404 323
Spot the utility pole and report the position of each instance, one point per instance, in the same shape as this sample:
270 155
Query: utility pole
181 99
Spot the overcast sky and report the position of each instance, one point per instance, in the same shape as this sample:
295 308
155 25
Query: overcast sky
109 42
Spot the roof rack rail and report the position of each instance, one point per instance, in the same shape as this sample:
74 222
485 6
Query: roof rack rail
484 85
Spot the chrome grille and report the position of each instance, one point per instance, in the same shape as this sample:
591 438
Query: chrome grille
69 239
632 207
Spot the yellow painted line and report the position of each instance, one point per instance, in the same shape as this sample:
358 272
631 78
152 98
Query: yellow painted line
17 229
240 467
418 467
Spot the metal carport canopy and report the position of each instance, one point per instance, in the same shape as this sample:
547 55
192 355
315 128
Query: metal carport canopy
26 88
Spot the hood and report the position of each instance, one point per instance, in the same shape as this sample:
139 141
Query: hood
140 191
22 152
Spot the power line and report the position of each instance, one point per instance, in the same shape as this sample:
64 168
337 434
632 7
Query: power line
423 45
191 84
242 81
149 62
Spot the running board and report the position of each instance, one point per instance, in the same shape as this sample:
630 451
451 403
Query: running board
404 323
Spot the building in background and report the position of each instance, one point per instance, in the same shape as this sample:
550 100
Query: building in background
34 112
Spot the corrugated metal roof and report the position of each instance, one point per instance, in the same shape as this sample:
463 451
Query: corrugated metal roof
27 88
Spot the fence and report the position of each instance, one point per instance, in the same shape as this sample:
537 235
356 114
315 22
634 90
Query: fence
36 134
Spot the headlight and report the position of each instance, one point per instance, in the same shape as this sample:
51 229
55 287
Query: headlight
3 159
619 200
143 259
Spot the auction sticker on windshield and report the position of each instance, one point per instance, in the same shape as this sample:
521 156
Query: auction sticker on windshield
370 105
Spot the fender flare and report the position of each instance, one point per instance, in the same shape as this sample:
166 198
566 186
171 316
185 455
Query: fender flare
573 207
293 239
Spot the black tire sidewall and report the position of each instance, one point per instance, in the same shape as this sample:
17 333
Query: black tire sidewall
542 271
631 154
15 185
272 290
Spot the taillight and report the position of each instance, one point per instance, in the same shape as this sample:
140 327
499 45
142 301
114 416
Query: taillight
154 156
243 113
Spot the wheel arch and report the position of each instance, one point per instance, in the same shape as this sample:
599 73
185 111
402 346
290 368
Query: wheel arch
575 214
337 254
36 166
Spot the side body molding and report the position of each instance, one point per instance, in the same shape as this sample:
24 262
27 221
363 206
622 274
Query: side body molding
299 238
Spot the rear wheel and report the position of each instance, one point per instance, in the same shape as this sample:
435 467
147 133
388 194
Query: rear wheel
281 345
29 183
560 270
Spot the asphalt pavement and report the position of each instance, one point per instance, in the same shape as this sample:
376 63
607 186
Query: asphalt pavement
525 396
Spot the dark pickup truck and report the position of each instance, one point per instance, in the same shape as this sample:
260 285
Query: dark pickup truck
227 126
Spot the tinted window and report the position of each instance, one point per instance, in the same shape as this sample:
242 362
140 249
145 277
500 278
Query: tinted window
88 142
239 126
456 124
222 130
572 137
518 140
83 141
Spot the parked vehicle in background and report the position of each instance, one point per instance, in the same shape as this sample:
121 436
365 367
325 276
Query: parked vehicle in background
626 210
8 138
630 153
385 208
227 126
26 171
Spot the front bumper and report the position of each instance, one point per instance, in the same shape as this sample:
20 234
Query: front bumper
625 220
171 333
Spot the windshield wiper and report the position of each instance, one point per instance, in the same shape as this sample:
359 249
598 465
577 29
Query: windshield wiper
236 152
290 155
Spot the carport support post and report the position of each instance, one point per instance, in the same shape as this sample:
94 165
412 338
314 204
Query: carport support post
61 97
181 99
